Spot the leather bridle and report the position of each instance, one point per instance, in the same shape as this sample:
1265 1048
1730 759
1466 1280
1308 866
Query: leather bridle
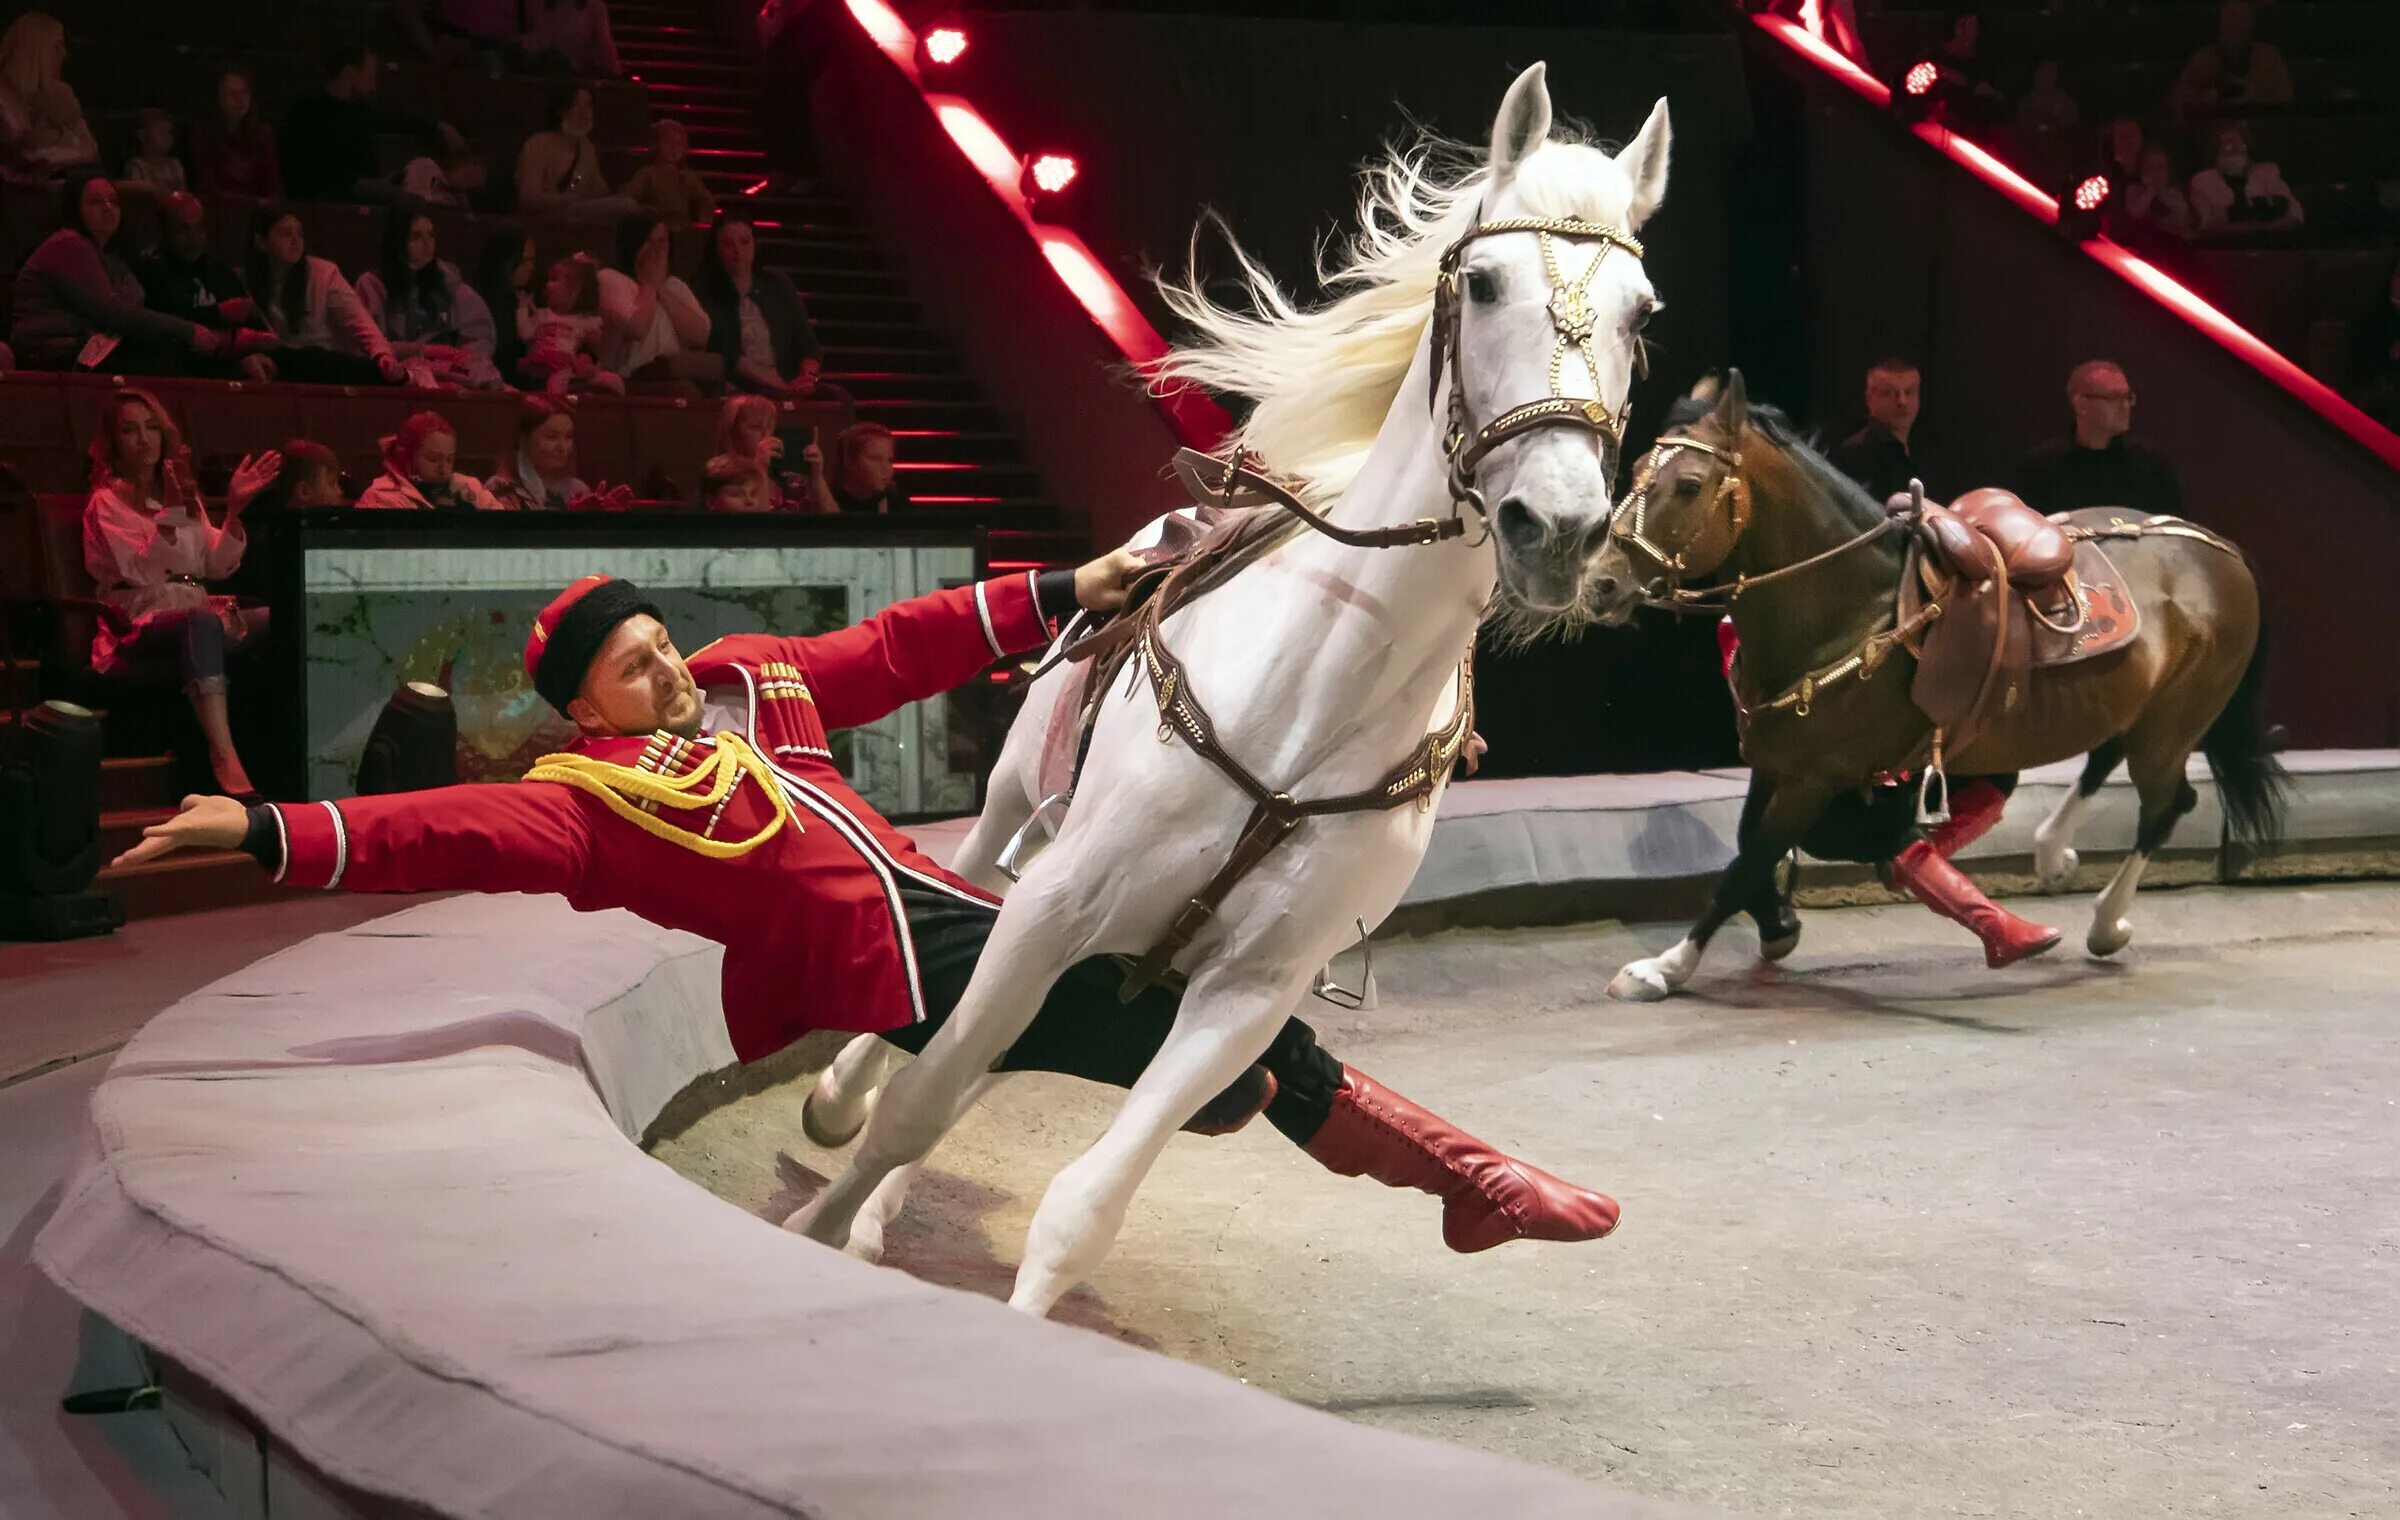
1571 318
1629 525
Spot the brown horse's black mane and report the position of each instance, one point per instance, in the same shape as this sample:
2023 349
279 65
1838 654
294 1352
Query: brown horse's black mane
1861 510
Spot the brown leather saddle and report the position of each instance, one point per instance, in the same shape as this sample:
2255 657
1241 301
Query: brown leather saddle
2009 592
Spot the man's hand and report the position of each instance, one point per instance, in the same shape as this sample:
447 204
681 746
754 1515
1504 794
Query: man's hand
255 473
239 310
1475 752
206 823
812 370
1101 585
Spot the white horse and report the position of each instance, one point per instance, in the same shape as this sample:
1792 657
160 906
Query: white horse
1321 665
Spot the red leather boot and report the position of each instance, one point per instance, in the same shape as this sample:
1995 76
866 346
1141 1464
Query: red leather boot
1488 1198
1924 871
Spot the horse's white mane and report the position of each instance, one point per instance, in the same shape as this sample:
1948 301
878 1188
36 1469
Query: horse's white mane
1323 378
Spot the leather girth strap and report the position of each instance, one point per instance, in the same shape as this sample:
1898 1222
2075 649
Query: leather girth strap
1273 814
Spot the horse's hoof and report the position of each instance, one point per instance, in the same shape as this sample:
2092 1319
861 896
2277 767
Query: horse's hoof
802 1221
1777 949
823 1120
865 1242
2053 875
2107 938
1640 982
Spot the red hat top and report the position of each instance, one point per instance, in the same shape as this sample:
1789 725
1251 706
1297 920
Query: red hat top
546 622
568 634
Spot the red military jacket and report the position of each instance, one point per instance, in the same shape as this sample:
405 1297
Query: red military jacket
759 845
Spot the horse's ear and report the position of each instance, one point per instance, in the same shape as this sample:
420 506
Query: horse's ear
1523 123
1705 390
1644 161
1733 405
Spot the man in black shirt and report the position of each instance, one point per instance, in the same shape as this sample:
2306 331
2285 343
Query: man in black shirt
329 151
1877 456
183 279
2098 465
860 478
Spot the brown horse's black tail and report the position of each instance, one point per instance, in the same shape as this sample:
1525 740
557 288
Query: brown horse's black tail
2252 784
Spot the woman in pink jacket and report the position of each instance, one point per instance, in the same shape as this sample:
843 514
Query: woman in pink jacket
150 546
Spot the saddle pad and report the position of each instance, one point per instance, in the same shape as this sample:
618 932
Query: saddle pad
2110 618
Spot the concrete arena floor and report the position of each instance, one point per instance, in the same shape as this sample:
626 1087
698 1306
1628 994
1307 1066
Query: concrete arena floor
1902 1236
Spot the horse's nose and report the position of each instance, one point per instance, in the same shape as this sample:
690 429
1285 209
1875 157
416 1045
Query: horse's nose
1518 527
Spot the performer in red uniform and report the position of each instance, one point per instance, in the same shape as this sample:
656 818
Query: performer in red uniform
702 795
1877 827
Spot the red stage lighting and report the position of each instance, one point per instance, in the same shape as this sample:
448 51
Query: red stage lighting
1922 78
944 43
2083 210
2090 195
1051 172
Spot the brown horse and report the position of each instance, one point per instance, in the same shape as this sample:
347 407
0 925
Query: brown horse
1730 495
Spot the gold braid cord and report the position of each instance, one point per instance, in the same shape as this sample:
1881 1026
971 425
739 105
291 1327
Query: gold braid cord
633 794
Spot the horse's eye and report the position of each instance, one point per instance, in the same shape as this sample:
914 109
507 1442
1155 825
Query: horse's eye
1641 318
1481 287
1687 486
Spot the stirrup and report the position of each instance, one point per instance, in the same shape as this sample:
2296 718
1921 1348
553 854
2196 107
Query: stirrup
1930 813
1363 995
1009 852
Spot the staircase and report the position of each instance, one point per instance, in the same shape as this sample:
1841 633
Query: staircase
956 451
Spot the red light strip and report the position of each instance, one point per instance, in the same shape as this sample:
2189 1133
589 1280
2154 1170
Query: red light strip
2144 276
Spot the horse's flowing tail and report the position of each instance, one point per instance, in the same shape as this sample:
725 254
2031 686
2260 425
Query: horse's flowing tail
2252 784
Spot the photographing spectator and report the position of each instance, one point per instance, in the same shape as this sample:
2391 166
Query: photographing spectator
322 334
233 152
746 429
329 151
2153 204
426 309
575 32
666 185
655 323
450 175
42 130
1877 455
2236 197
183 277
1966 78
2098 464
861 478
79 306
156 164
566 332
420 472
2234 73
757 320
149 544
504 278
2045 105
2375 357
558 171
540 476
310 477
2121 150
736 483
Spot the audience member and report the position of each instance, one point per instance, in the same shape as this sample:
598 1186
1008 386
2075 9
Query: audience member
329 151
311 477
2121 147
448 31
42 130
2046 106
149 544
156 164
746 429
558 170
420 472
666 184
566 331
2098 464
736 483
322 334
233 152
2234 73
1877 456
861 478
1966 88
504 278
576 32
540 476
78 305
2236 197
757 320
183 277
436 323
450 175
2374 379
2152 202
655 325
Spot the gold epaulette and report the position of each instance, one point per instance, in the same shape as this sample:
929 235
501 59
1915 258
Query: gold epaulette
635 794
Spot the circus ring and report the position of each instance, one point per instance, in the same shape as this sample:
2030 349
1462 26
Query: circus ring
379 1197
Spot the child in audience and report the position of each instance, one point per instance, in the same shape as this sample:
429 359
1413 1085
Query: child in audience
156 164
666 185
310 477
735 483
563 332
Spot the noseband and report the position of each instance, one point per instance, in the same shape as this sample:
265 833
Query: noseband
1575 324
1629 523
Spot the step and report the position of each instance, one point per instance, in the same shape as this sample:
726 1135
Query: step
900 415
864 311
121 828
846 359
820 283
20 681
992 448
189 881
950 477
885 385
137 781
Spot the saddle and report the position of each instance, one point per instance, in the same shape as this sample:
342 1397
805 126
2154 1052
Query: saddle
2002 591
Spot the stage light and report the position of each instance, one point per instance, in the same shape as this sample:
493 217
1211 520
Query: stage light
2083 208
944 44
1050 172
1922 79
414 744
50 827
1916 99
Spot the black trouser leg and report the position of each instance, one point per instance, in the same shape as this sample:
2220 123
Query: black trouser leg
1083 1031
